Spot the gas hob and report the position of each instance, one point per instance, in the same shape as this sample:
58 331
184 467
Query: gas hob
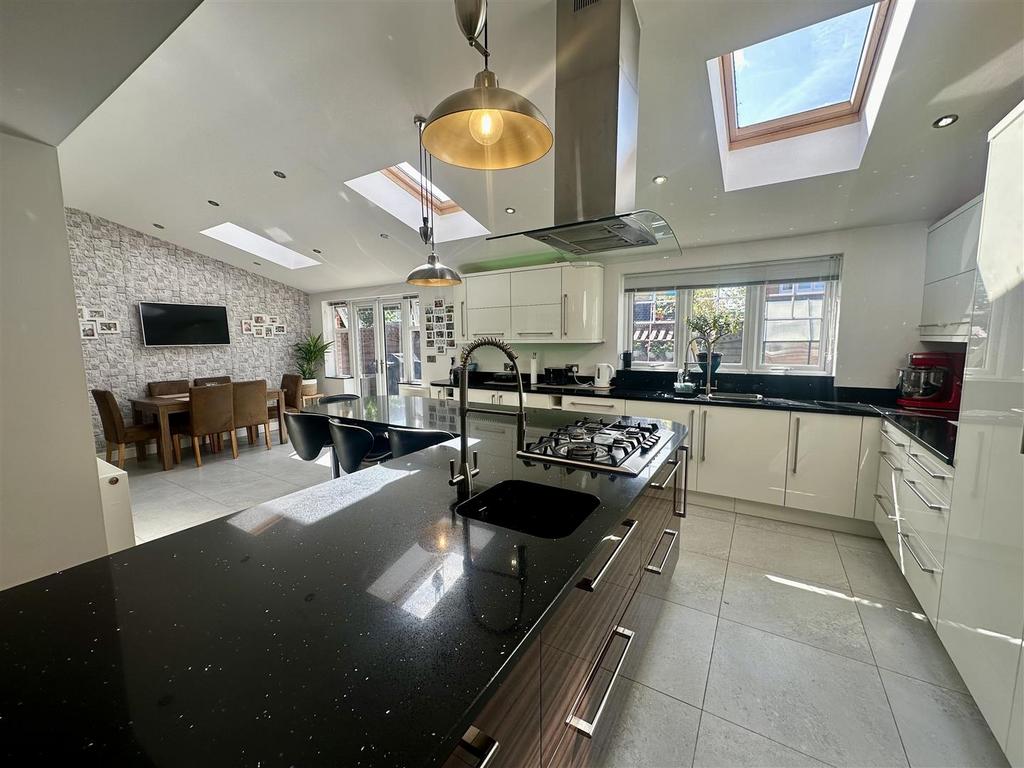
616 448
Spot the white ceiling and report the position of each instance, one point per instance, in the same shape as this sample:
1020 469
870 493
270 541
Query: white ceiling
326 92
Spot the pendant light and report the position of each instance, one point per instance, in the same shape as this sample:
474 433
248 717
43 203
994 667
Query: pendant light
433 274
485 127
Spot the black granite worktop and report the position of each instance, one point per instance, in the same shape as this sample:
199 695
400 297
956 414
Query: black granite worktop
357 622
934 430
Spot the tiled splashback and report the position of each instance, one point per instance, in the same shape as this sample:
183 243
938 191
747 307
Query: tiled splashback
115 268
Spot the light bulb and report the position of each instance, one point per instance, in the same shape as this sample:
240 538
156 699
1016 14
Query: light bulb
486 126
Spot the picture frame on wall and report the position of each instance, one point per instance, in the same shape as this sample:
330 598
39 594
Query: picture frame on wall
93 314
438 302
280 329
268 331
258 318
81 313
273 320
247 327
258 330
108 326
87 329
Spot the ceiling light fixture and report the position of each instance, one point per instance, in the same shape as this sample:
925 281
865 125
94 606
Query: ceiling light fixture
945 121
433 274
280 174
660 179
485 127
510 210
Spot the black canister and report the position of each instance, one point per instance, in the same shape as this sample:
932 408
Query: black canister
627 359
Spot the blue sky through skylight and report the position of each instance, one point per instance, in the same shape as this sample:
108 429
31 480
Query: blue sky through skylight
805 69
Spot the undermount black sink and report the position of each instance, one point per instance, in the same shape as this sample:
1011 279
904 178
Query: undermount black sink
530 508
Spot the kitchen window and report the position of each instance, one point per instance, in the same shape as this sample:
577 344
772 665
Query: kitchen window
788 325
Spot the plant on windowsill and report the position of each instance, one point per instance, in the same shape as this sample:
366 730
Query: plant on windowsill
709 324
309 356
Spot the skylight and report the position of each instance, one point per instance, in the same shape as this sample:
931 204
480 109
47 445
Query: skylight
805 80
257 245
396 190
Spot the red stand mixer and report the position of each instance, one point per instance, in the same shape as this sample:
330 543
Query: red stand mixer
931 381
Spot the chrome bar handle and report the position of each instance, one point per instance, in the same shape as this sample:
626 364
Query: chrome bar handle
668 551
664 483
935 506
565 301
593 405
703 435
928 471
590 585
885 457
689 434
479 745
796 444
536 333
880 498
913 554
462 318
886 436
581 725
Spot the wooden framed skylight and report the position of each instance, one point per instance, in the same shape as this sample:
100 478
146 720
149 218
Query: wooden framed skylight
807 80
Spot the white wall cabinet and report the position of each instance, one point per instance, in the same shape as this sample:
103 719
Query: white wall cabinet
822 467
981 608
459 302
742 453
488 289
536 286
949 274
541 322
488 321
583 296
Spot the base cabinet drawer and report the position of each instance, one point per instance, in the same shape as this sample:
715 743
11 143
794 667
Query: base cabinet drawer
920 567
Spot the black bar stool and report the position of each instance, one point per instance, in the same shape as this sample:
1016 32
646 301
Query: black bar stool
352 444
337 398
405 441
310 434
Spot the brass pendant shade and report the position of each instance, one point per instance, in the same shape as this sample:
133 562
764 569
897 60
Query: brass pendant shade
487 128
433 274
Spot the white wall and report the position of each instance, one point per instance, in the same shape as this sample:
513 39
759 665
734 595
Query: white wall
882 283
50 515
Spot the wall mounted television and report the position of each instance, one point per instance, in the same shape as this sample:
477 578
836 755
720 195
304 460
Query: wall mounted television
178 325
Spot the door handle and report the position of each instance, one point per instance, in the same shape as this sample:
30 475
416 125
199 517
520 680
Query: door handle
885 458
886 436
880 498
592 405
689 435
664 483
581 725
703 435
479 745
565 301
796 444
590 585
462 318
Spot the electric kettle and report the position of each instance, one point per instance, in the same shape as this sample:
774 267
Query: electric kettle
603 376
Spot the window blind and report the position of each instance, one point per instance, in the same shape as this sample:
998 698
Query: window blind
817 268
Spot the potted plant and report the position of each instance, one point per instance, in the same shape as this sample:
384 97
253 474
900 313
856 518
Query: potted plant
309 356
709 324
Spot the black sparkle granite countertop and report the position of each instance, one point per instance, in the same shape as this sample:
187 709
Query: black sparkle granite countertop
935 430
357 622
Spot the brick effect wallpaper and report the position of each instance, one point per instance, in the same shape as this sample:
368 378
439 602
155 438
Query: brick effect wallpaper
115 268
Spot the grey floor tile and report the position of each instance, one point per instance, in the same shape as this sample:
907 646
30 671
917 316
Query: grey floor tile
705 535
875 574
675 659
653 730
696 582
783 553
903 640
827 706
823 616
721 744
156 517
940 727
781 526
714 514
860 542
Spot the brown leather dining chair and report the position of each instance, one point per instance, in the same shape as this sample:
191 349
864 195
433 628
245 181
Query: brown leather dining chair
210 413
250 408
115 432
205 381
169 387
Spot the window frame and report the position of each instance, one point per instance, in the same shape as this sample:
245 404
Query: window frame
407 302
753 333
809 121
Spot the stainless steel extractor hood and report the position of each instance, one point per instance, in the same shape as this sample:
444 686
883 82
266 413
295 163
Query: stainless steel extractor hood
596 112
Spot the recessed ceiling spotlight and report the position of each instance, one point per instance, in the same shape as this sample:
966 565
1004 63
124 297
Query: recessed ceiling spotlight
945 121
385 236
214 203
317 250
660 179
280 174
510 210
158 226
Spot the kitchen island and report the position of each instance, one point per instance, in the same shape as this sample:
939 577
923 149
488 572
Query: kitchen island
357 622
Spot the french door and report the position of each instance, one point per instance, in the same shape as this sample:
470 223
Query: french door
387 344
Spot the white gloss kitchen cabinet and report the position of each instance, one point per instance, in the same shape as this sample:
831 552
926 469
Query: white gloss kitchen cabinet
949 274
824 451
544 304
741 452
981 606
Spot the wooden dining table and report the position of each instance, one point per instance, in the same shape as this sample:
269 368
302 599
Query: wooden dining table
162 406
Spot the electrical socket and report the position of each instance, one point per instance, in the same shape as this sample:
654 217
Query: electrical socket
509 367
572 367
